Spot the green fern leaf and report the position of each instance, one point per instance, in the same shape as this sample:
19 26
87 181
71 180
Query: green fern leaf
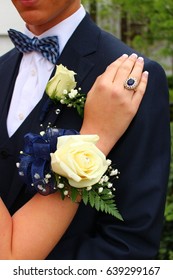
74 193
105 204
91 198
97 202
85 197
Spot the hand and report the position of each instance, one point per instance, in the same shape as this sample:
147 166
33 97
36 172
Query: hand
109 107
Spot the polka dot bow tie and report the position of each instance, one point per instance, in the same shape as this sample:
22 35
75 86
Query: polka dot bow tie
48 46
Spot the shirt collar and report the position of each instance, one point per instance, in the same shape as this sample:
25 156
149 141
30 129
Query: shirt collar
64 29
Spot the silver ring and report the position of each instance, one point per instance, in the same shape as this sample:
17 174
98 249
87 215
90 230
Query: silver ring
131 83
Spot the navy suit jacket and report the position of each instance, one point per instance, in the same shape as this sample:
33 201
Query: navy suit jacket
142 155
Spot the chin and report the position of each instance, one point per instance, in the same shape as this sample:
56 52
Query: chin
32 17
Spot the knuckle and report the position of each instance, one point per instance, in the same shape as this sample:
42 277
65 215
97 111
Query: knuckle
102 84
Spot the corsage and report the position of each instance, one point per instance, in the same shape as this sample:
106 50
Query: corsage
65 161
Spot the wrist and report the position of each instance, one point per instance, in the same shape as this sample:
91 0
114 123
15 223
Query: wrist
105 142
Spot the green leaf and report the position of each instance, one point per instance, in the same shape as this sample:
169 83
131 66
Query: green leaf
80 111
102 202
97 202
85 196
92 198
74 194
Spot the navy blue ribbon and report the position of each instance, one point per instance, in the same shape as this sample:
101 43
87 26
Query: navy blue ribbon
35 159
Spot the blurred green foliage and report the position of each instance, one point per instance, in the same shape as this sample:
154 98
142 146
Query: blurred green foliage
145 25
166 244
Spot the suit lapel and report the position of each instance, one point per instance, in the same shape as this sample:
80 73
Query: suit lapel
78 55
80 49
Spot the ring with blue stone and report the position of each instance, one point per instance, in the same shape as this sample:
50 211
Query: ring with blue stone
131 83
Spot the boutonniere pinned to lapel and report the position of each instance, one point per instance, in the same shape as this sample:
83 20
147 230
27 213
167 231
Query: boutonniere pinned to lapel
62 88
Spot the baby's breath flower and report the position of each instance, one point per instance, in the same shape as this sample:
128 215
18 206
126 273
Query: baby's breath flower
60 186
100 190
109 185
66 193
105 178
73 93
113 172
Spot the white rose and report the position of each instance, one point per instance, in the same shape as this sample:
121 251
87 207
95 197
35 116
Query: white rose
62 81
79 160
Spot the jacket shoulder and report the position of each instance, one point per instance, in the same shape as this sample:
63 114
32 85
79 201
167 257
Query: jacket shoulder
8 55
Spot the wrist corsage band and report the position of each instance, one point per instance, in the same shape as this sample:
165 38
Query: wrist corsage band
65 161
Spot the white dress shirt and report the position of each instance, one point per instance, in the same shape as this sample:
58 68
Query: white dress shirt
35 71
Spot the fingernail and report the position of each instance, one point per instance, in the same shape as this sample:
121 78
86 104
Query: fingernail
140 58
125 55
134 55
146 73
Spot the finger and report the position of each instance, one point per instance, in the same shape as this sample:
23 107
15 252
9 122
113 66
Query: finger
137 70
140 91
112 69
125 69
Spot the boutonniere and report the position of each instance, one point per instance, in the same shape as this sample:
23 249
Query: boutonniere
62 88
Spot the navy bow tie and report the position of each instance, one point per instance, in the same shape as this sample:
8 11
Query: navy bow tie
48 46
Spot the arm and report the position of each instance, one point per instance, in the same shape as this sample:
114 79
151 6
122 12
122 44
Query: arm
35 228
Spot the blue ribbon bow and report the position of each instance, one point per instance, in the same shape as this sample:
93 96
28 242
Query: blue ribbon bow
35 159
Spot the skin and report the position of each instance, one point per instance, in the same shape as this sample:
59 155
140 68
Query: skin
28 233
41 15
